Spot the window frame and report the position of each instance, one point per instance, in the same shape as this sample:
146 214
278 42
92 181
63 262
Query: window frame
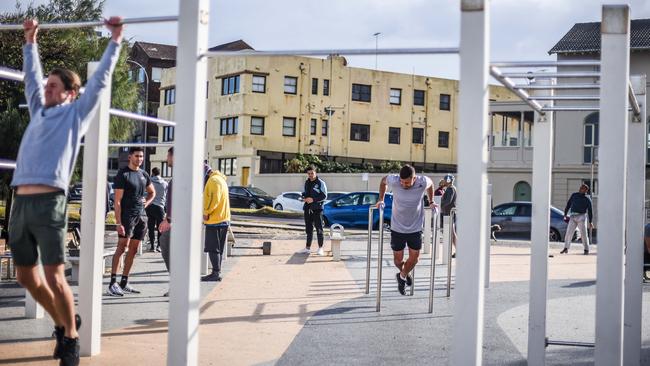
326 87
295 85
227 166
446 104
253 84
313 127
416 98
314 86
360 139
291 119
391 96
231 126
392 130
230 84
413 135
445 139
359 93
324 130
262 126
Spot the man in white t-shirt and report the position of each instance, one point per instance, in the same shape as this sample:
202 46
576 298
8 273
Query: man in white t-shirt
407 218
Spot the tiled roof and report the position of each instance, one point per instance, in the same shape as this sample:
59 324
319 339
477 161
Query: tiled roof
237 45
157 51
585 38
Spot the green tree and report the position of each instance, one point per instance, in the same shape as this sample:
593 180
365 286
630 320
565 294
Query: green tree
69 48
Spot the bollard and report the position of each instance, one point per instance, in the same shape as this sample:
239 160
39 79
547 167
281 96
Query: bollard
336 236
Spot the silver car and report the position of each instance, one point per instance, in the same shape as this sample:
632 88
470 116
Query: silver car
514 219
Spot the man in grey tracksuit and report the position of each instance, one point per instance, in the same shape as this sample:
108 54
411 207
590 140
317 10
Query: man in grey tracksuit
577 213
156 210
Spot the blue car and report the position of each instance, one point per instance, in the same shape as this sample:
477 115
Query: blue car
351 210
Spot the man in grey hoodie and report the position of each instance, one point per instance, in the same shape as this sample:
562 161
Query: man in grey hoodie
46 158
156 210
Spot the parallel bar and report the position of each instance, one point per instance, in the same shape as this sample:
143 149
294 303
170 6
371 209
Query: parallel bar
511 64
369 251
573 109
139 117
343 51
570 344
380 257
7 164
496 73
452 217
541 198
564 97
612 178
140 144
184 283
633 102
99 23
543 75
434 249
11 74
558 86
467 340
636 162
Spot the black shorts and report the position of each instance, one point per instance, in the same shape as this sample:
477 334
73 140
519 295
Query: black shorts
398 241
135 227
215 238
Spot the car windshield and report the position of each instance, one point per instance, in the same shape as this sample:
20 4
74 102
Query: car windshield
334 195
257 191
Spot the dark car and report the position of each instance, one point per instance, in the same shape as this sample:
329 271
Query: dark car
75 192
514 218
351 210
249 197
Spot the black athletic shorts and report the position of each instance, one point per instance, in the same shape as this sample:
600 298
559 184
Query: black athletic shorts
135 227
215 238
398 241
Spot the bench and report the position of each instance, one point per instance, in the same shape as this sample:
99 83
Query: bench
74 263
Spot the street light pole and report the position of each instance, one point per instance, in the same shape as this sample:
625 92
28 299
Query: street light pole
376 47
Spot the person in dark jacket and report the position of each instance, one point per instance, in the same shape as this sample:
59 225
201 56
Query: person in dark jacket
577 213
314 194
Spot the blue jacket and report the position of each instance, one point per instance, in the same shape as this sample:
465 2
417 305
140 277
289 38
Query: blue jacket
579 203
316 190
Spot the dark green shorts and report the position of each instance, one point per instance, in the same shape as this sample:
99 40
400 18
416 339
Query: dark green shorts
38 224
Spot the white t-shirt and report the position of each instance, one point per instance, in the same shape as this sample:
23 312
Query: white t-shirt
408 212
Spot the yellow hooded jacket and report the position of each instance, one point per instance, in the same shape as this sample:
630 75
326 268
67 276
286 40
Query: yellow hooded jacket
216 204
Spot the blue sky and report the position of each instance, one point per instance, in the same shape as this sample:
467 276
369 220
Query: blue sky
520 29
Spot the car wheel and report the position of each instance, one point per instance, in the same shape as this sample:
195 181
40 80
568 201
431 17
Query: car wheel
386 225
554 235
253 206
278 207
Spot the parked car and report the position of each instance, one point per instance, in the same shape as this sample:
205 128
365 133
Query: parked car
249 197
514 219
351 210
289 201
334 195
75 192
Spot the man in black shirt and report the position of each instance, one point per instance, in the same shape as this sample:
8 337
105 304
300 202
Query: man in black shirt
315 192
130 184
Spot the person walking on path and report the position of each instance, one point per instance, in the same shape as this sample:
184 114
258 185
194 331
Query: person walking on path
447 204
156 210
131 186
314 193
166 223
577 213
407 218
216 217
46 159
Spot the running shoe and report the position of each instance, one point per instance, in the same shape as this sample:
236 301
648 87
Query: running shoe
212 277
70 352
115 290
321 252
409 280
564 251
401 284
59 332
304 251
129 290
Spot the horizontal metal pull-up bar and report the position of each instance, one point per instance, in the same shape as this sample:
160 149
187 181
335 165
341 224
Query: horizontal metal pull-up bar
99 23
7 164
566 97
558 86
544 63
140 117
139 144
541 75
349 52
574 109
522 94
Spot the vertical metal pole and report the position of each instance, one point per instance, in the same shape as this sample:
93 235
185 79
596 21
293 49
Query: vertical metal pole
542 164
446 238
368 252
413 283
612 177
467 345
427 230
380 256
434 244
452 217
636 160
185 294
488 241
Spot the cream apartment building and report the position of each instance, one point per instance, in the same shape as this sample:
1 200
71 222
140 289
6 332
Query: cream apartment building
263 110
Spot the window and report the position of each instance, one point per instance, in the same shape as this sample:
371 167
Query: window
505 129
229 126
370 199
418 135
257 125
313 126
141 75
443 139
324 128
359 132
165 170
314 86
230 85
395 96
168 133
259 84
156 74
418 97
505 210
590 149
326 87
290 85
361 93
393 135
445 102
288 126
228 166
528 129
349 200
170 96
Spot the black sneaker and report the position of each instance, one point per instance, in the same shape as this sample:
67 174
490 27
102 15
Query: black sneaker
409 280
564 251
212 277
59 333
69 352
400 284
586 252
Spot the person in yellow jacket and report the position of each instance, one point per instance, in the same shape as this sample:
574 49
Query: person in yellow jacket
216 218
